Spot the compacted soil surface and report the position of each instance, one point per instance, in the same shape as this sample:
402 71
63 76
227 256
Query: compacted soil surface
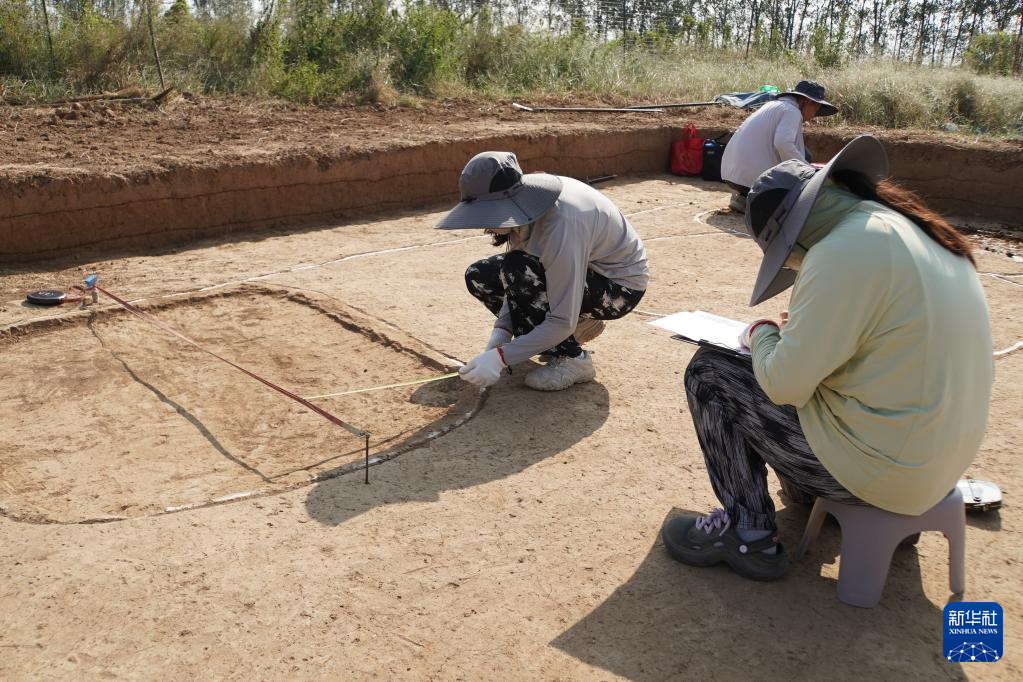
165 516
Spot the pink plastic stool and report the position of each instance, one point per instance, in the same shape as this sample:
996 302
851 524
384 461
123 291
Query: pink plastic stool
870 536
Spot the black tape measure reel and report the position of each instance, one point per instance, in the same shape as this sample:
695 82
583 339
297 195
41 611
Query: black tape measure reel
46 297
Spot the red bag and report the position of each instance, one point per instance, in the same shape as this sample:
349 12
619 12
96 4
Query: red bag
687 153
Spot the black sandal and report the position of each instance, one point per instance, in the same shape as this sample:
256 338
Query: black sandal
700 540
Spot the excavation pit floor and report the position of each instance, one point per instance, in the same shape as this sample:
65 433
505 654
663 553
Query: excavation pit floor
118 418
522 544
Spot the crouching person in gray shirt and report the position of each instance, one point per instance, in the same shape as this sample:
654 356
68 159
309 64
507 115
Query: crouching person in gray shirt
772 134
572 260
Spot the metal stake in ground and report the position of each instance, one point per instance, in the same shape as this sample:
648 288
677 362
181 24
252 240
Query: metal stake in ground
367 459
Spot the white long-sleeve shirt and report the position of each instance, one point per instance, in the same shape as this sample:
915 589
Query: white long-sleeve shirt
583 231
772 134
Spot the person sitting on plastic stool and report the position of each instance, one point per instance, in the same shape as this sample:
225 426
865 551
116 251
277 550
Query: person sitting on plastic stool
877 388
572 260
772 134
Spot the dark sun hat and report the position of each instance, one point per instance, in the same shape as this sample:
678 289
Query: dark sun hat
814 91
781 200
495 193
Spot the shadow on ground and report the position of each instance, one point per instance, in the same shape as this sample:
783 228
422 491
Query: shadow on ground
987 521
515 429
727 221
671 621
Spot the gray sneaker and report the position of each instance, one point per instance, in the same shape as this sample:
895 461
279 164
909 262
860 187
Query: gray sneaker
737 203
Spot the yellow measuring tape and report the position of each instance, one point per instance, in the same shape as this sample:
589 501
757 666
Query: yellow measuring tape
382 388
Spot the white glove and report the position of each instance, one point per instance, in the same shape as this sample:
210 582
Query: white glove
499 337
484 369
747 334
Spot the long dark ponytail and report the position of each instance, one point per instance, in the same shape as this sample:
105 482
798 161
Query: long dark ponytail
907 203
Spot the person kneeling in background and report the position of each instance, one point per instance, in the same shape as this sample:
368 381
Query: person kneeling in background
572 260
876 390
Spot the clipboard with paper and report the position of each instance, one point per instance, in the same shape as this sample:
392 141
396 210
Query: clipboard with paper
706 329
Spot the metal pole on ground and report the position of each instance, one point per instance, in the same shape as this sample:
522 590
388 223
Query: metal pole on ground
680 105
605 110
636 109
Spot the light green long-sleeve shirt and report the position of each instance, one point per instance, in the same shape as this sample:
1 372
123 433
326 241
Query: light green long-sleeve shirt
887 355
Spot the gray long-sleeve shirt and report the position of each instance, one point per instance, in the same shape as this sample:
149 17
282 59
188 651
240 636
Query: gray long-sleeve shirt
772 134
583 231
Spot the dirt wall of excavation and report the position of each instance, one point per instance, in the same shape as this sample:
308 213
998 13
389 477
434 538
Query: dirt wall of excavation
46 216
966 181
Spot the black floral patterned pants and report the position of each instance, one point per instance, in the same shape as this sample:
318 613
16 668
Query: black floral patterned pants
520 278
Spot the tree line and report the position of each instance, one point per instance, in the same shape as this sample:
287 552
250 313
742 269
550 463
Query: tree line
919 31
986 35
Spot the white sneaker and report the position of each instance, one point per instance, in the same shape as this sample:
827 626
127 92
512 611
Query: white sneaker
588 329
560 373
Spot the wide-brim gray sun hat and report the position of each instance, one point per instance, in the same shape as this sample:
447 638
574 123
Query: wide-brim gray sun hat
781 200
495 194
813 90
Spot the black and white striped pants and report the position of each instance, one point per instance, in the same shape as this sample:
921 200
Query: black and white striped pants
741 431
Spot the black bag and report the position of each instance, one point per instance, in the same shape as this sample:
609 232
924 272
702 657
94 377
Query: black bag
713 150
